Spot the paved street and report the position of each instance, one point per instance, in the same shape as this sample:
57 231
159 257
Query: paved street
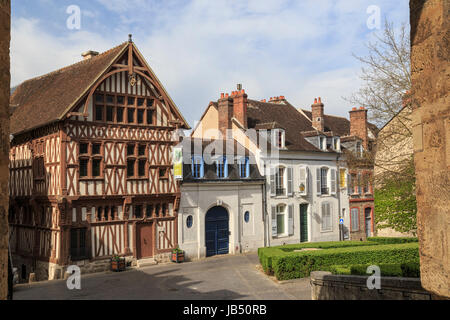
217 278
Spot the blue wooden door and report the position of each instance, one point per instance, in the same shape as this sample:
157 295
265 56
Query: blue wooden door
217 231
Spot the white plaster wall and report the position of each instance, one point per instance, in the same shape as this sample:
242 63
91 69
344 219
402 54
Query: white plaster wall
314 201
198 198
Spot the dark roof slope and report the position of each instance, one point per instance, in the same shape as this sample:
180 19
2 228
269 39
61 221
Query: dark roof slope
46 98
287 116
338 125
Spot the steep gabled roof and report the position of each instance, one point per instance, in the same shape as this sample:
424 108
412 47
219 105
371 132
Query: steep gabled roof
45 99
48 98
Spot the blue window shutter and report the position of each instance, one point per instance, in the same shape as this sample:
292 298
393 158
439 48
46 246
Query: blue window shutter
247 168
202 168
225 167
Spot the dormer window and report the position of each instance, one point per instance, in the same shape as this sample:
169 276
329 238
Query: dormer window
221 167
278 138
359 149
323 143
337 144
244 167
197 167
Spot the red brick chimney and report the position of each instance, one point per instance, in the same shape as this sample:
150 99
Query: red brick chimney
240 104
318 121
225 113
358 125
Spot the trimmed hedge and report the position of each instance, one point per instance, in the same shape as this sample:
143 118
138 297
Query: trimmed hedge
390 240
266 254
408 269
294 265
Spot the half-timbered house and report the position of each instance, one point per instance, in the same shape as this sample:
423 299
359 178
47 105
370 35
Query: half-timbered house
91 168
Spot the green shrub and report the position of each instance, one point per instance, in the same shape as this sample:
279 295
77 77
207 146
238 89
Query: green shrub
267 254
411 269
407 269
392 240
294 265
386 269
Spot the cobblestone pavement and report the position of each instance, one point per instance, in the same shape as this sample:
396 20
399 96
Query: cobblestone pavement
217 278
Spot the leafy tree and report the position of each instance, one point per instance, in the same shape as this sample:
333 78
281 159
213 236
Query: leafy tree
395 202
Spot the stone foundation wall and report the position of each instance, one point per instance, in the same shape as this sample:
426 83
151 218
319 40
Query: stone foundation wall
325 286
430 73
5 24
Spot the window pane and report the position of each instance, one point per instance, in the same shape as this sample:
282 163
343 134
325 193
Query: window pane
119 114
150 102
280 223
120 100
96 167
83 148
98 98
142 150
110 99
130 168
109 113
131 101
130 115
83 167
138 211
98 113
142 167
140 102
96 148
140 116
130 150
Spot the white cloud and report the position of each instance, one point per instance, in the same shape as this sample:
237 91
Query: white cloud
198 49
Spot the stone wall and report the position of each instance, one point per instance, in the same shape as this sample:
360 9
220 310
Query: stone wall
325 286
5 20
430 67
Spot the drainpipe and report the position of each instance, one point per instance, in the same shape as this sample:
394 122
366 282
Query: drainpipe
265 207
341 238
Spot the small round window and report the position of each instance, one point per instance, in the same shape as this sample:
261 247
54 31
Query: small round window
247 216
189 221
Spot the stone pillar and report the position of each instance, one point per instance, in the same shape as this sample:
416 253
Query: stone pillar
5 24
430 67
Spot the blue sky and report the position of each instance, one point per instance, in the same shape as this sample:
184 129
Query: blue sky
199 48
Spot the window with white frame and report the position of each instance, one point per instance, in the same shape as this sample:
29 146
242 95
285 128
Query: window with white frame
326 217
324 181
336 143
303 186
281 218
323 143
279 181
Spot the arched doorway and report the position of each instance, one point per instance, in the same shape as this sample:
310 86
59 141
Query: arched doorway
216 231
